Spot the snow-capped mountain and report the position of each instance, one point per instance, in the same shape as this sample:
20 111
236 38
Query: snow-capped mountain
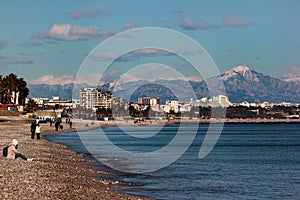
241 83
244 84
241 71
293 75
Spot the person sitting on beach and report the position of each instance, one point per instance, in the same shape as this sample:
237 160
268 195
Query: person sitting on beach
13 153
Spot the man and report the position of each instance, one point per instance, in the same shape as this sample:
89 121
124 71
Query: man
32 129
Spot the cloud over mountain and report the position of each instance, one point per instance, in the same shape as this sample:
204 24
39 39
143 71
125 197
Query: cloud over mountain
52 80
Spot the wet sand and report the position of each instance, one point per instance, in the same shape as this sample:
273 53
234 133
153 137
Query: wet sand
55 173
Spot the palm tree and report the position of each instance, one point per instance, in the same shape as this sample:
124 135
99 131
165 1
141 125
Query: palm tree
12 85
31 106
23 91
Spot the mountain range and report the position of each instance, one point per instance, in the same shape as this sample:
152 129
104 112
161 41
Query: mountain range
241 84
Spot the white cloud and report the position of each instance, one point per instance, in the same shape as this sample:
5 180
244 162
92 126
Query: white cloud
17 61
151 52
131 56
154 72
2 44
3 57
103 56
52 80
129 25
36 43
189 24
73 33
232 21
179 12
86 14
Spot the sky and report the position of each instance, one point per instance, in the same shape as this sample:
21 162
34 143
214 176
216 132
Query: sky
49 41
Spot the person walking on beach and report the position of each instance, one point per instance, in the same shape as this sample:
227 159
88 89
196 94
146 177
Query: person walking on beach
38 131
56 125
32 129
70 122
13 153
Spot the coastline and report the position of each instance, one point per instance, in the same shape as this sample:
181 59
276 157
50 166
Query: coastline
58 173
55 172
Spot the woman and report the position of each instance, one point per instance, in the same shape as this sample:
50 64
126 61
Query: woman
38 131
13 153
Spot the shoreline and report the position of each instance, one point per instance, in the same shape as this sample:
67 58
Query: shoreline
55 172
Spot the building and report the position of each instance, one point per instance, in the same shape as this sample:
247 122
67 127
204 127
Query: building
58 101
39 101
149 101
221 100
92 98
171 105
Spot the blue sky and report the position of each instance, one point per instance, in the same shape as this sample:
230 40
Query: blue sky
46 41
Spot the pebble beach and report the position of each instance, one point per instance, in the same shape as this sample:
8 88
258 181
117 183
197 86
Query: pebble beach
55 172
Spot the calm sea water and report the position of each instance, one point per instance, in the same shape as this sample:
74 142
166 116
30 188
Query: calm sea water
249 161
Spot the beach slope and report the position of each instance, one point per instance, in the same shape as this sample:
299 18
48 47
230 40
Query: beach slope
55 173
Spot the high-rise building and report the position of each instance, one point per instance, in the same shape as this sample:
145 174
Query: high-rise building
148 101
95 98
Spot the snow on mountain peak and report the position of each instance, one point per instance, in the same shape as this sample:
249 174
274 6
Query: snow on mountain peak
241 69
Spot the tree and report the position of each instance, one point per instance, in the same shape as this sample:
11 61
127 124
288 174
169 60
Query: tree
10 86
31 106
23 91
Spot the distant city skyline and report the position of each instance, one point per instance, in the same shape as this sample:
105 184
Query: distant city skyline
49 40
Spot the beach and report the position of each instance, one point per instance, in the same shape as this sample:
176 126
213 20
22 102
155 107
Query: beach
55 172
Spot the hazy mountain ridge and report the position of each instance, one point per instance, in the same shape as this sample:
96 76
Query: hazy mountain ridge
48 91
241 84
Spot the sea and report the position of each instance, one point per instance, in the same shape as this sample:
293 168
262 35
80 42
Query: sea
248 161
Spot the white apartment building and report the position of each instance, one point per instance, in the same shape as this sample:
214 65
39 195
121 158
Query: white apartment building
221 100
171 105
92 98
149 101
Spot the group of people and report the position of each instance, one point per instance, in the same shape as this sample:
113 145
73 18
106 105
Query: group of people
57 123
35 129
13 153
